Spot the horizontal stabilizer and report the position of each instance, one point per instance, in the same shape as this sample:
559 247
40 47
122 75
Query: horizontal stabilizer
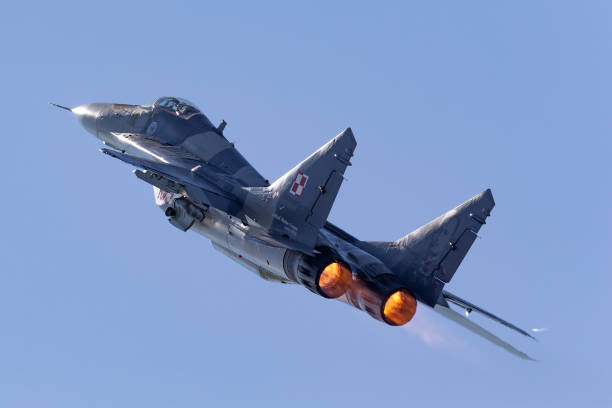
469 307
482 332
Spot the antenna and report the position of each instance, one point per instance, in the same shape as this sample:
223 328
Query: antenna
60 106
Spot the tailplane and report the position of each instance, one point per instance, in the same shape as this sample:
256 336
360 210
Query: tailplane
444 309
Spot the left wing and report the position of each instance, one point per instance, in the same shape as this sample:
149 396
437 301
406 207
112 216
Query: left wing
192 181
165 153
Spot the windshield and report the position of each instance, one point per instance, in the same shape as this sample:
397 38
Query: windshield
180 106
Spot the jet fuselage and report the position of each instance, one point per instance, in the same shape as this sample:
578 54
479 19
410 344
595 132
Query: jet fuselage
280 230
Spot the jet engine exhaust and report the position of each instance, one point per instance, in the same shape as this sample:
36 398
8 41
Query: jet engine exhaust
399 308
335 279
382 300
324 274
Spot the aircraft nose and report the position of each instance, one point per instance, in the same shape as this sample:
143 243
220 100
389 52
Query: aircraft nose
87 115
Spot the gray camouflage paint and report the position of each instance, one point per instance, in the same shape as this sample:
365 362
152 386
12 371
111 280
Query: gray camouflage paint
167 136
216 191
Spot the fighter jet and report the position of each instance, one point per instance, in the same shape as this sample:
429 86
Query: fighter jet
280 231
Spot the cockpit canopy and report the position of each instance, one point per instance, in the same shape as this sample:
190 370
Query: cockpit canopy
181 107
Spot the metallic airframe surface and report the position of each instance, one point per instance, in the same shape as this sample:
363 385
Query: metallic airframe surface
280 230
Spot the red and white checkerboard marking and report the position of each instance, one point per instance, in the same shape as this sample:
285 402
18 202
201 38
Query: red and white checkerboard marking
298 184
164 197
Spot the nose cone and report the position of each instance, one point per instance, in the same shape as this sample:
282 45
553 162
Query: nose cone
88 114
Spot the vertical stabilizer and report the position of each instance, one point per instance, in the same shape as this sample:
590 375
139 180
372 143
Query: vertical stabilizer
296 206
429 256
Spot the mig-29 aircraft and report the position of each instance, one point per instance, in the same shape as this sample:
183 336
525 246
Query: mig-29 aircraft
280 230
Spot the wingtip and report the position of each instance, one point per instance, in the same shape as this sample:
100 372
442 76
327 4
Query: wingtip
523 332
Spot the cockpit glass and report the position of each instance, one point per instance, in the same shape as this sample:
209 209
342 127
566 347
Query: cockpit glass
182 107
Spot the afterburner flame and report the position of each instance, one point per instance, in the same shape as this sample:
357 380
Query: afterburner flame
335 279
399 308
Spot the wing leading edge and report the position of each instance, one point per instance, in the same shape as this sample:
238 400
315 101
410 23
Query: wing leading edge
469 307
443 308
195 185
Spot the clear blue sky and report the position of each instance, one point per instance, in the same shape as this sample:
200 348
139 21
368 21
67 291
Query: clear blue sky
103 303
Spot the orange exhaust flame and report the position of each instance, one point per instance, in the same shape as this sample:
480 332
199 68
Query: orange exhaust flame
335 279
399 308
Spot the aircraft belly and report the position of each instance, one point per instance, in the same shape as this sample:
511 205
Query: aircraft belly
223 230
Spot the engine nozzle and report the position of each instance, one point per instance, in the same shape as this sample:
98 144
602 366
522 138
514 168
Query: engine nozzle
324 274
384 298
334 280
399 308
